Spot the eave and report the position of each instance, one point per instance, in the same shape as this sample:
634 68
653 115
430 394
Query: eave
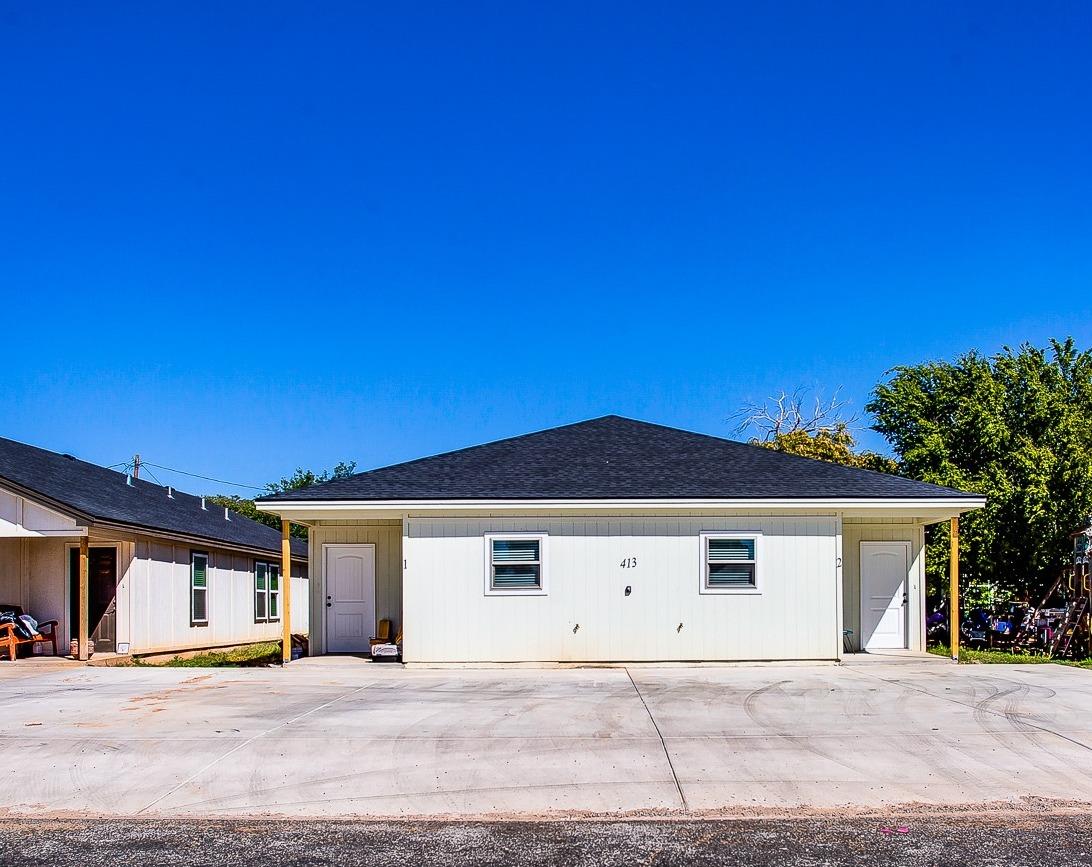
923 508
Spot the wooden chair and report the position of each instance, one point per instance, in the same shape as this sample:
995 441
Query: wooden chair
10 640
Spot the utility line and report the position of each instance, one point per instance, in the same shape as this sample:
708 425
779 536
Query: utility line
154 479
199 476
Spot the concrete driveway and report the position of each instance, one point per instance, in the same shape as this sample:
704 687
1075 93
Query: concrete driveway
337 737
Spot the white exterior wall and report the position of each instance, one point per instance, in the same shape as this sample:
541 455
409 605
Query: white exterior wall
32 576
155 589
585 615
13 566
48 599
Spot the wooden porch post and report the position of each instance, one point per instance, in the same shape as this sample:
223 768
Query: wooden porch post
286 591
953 604
82 633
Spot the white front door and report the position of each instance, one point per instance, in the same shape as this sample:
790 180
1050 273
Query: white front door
884 601
349 577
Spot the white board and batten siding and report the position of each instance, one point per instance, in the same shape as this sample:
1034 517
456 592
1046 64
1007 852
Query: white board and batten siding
32 575
156 589
585 614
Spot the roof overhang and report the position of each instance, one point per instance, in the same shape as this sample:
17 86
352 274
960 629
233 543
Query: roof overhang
24 517
54 519
923 508
192 540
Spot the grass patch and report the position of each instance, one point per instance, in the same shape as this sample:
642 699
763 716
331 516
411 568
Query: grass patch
266 653
1001 657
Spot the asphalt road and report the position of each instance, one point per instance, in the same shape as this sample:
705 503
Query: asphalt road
1007 839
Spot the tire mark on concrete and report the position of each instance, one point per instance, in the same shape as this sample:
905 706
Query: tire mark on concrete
751 706
978 706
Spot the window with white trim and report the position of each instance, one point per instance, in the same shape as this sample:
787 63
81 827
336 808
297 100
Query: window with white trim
516 565
199 588
730 562
274 592
267 592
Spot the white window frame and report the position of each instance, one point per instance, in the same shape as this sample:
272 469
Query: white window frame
543 563
268 593
194 622
261 593
703 571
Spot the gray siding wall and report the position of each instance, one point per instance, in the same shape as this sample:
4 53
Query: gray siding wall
386 535
857 530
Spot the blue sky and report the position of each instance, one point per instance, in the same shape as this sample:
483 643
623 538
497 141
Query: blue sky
243 237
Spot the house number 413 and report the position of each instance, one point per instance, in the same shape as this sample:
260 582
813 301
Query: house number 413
629 563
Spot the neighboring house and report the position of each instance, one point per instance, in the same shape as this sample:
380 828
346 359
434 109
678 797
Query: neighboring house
618 540
167 571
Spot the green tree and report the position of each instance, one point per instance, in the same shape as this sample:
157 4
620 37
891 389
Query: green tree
1015 427
301 478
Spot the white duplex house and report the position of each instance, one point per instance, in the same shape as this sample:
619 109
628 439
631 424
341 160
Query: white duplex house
618 540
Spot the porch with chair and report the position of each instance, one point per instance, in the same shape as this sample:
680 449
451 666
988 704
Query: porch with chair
52 571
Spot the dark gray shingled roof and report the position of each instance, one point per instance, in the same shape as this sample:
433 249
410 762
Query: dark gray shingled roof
102 495
615 458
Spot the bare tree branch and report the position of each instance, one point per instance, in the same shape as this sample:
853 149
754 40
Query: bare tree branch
789 413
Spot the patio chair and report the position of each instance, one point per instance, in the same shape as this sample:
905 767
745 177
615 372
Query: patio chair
9 639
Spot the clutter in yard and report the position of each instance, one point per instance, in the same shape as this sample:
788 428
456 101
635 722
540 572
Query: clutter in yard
1056 626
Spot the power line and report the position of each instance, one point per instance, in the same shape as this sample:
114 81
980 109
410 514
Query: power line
150 473
199 476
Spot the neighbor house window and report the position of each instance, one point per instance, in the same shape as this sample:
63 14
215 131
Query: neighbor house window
199 588
274 592
516 564
267 592
261 592
730 562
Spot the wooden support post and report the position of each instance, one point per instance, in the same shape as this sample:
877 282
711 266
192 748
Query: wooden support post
286 591
83 626
953 604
